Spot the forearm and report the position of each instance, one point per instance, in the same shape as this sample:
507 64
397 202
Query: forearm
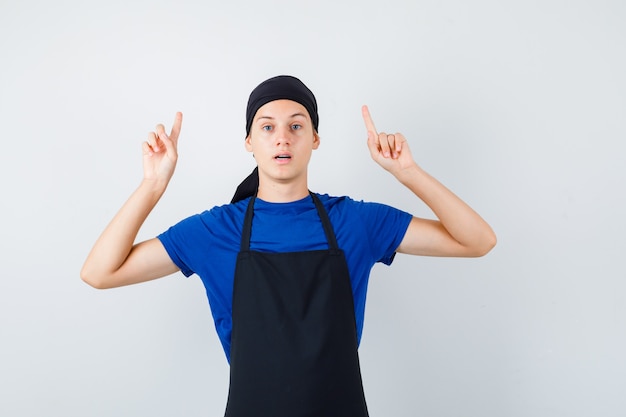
116 241
459 220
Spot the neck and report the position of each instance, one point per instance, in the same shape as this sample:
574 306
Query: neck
276 192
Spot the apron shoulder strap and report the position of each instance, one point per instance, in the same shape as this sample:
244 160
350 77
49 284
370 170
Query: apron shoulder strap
247 226
326 224
328 227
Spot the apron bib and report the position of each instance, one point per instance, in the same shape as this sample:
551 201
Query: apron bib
294 342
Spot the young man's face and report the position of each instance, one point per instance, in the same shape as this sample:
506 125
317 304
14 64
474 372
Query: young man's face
282 139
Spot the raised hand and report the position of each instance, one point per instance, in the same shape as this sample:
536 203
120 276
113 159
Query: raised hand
160 151
115 259
390 151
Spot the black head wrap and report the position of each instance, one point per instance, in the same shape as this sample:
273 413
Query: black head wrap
275 88
279 88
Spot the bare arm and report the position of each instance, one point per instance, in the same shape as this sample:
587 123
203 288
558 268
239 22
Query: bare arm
459 230
115 260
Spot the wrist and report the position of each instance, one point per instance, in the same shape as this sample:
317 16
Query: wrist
153 185
409 174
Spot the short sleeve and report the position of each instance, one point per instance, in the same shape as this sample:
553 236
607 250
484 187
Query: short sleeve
385 227
174 238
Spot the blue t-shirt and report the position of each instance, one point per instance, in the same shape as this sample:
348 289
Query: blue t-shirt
207 244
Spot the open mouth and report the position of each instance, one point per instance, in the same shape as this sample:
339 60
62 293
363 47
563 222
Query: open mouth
282 157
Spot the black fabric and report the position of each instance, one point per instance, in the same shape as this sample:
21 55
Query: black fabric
278 88
294 344
248 187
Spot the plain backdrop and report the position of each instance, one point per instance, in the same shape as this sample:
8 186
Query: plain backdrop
518 106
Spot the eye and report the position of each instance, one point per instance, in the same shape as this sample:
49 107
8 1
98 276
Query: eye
266 128
296 126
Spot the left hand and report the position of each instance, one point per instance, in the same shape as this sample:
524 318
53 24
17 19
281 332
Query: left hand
390 151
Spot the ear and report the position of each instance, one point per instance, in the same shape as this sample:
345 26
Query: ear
248 143
316 140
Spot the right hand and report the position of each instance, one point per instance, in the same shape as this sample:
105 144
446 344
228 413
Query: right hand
160 152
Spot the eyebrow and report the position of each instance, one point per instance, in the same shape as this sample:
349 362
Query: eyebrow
292 116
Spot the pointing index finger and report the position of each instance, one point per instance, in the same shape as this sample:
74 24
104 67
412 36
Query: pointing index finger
178 121
369 123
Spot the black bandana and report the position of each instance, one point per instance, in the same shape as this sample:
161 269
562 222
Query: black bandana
279 88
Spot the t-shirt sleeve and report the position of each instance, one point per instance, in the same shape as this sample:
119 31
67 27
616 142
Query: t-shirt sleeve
385 227
198 242
176 241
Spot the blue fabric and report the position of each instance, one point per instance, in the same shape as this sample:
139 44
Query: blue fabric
207 244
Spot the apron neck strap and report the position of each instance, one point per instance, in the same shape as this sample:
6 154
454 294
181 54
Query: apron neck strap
328 228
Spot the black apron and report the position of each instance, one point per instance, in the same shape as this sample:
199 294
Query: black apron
294 341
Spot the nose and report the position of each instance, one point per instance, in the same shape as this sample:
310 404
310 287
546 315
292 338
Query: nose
283 135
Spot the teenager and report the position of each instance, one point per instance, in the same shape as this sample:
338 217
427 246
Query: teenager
285 269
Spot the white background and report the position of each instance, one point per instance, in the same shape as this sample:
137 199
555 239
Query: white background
519 107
